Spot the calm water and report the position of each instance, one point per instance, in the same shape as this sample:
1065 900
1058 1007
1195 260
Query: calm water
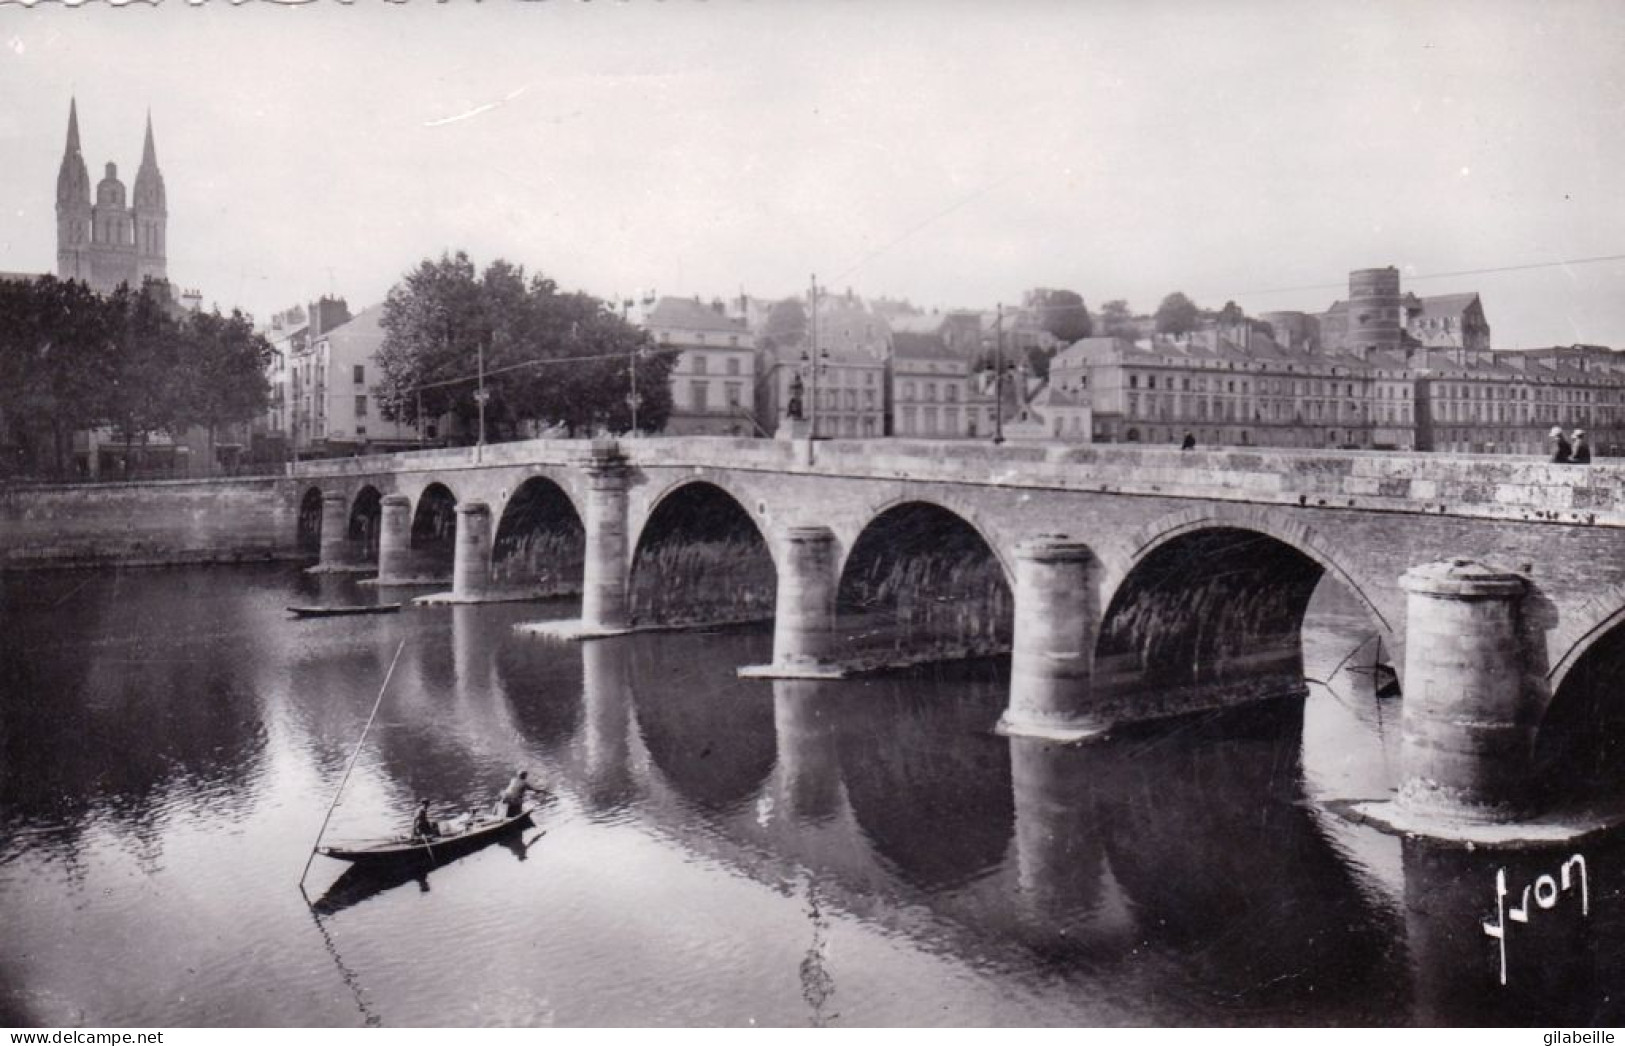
718 851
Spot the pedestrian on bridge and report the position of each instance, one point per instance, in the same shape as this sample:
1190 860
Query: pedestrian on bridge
1561 451
1582 450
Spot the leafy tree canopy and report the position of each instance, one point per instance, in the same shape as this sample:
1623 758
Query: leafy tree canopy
1061 312
786 324
550 357
71 360
1177 314
1117 320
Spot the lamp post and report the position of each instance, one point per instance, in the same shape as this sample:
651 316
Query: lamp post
814 364
633 399
998 377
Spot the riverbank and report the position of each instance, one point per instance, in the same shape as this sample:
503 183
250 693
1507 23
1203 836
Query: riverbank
156 523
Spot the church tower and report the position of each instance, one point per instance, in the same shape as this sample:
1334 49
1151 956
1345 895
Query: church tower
150 212
114 240
73 207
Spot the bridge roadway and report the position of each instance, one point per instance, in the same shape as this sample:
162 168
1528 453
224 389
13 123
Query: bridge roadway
1147 582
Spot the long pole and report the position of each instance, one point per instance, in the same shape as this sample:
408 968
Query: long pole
998 376
632 397
479 397
813 355
353 756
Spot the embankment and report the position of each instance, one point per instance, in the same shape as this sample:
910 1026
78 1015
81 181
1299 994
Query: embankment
147 524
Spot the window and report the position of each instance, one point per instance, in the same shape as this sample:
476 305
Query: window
732 390
700 364
698 395
733 365
361 406
360 374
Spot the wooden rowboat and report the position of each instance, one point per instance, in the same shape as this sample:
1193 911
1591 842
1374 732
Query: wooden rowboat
471 834
370 608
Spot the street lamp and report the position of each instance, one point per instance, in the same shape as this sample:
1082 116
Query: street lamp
633 398
998 377
807 364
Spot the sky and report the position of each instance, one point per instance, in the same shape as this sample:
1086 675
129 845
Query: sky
952 153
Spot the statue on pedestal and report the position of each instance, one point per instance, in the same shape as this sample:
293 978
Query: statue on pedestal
793 411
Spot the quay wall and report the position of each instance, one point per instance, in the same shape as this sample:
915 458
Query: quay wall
147 524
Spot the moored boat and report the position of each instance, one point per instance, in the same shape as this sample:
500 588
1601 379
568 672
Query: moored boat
339 611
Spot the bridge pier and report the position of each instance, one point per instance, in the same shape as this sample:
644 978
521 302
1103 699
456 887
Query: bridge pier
607 567
1052 658
1468 725
804 610
335 544
394 539
607 570
471 561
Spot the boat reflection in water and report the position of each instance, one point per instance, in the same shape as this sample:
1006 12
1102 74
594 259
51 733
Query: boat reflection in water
719 851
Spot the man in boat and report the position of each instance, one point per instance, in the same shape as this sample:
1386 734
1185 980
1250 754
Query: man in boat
512 798
423 827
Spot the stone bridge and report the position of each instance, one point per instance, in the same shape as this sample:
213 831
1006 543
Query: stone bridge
1128 583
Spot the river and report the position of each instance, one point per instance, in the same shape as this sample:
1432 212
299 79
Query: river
715 851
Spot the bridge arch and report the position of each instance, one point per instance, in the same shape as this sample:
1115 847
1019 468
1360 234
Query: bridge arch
434 530
540 539
308 534
698 558
920 577
366 516
1580 739
1206 608
1303 539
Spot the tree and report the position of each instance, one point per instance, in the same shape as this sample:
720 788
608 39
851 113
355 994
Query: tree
55 366
148 391
1176 315
786 325
1117 320
222 369
1061 312
550 357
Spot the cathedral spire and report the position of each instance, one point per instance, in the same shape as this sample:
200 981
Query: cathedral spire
149 154
73 129
72 179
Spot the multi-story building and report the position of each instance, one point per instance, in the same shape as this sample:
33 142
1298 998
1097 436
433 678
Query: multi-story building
713 379
930 389
1507 402
841 394
1225 393
332 366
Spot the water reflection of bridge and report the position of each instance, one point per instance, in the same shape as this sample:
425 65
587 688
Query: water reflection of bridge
893 803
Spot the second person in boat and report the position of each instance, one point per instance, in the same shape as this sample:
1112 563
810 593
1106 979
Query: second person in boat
512 799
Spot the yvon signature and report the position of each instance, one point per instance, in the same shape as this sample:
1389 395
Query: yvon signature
1546 890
